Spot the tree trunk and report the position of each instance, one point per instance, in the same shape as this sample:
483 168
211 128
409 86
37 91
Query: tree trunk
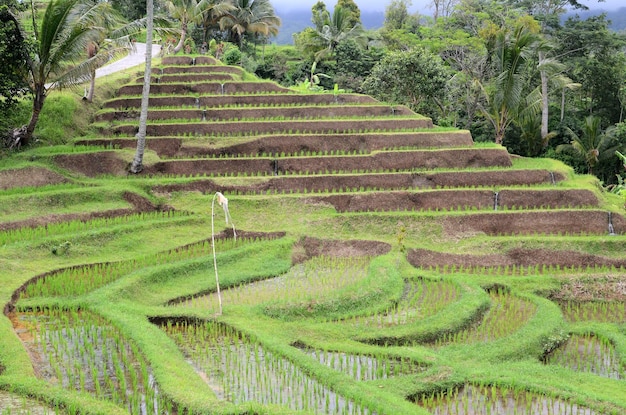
24 138
92 87
137 164
181 42
544 100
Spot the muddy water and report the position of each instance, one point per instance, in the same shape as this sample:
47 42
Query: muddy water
16 405
588 354
474 400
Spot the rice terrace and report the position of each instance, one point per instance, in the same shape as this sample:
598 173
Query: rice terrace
369 262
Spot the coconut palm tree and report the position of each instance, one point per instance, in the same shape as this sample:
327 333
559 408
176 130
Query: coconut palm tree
506 95
593 144
59 57
256 17
211 13
137 164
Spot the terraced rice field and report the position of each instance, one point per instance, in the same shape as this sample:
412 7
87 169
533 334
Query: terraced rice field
370 262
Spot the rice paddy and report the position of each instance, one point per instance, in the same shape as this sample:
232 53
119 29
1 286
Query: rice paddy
238 370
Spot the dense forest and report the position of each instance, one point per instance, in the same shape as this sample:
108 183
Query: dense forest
521 73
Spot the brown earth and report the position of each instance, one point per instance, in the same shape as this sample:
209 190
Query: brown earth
269 100
181 78
218 88
460 200
562 222
395 181
607 287
378 162
295 113
308 248
188 60
516 257
246 128
29 176
298 144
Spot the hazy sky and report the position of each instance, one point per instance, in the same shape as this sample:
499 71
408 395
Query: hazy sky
418 5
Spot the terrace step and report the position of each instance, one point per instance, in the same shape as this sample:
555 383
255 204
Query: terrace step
461 200
297 144
536 260
217 88
182 78
561 222
190 60
206 69
239 128
224 114
390 181
256 100
380 161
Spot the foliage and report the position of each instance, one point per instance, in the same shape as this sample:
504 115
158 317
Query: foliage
253 17
416 78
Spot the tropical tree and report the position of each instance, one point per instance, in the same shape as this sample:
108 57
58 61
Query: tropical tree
255 17
187 11
211 13
13 56
506 93
353 12
137 164
416 78
593 145
67 29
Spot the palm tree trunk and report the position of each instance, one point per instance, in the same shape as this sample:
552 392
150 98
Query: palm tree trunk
92 87
181 42
544 100
137 164
39 97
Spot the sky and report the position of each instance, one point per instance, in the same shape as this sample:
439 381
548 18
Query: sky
418 5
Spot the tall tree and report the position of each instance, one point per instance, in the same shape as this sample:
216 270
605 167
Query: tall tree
211 13
13 57
256 17
187 12
352 10
506 93
137 164
67 29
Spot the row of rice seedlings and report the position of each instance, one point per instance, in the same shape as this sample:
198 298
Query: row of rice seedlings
488 400
602 311
240 370
312 281
507 314
421 299
11 404
80 280
588 353
522 270
75 226
365 367
80 351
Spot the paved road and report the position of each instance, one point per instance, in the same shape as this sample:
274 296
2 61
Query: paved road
134 58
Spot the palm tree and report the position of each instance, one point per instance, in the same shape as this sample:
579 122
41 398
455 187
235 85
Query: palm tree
211 13
67 29
593 145
187 12
505 94
137 164
256 17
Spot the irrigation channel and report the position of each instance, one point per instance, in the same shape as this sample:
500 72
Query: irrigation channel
79 351
491 400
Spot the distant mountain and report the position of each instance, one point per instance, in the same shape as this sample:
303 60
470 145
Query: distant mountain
294 21
616 17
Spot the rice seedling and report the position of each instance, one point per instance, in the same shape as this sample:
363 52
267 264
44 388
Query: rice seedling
422 298
79 351
365 367
588 353
17 405
317 279
238 370
601 311
507 314
488 400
